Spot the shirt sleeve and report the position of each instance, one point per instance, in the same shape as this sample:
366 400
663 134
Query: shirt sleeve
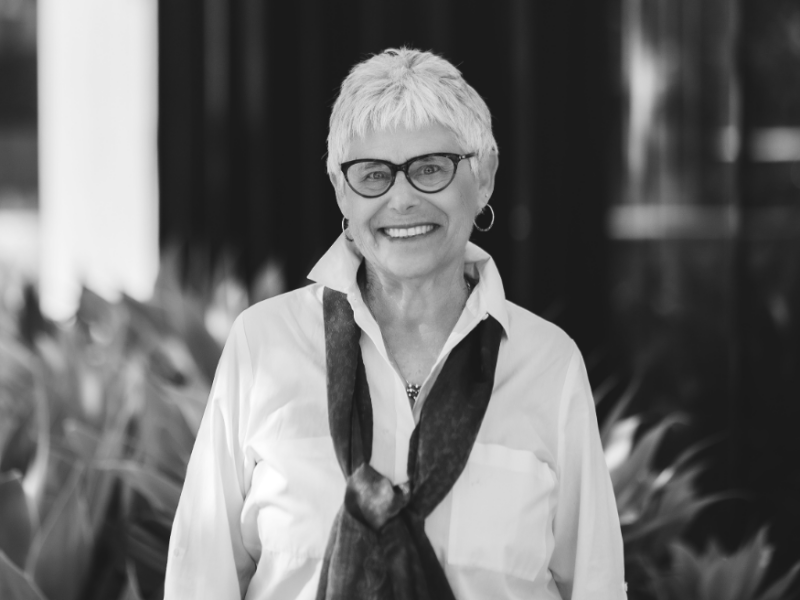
587 561
207 558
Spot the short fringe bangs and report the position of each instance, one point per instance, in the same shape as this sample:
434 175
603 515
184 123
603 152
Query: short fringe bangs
412 90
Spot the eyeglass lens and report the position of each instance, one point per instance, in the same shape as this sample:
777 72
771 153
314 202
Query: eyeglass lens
429 174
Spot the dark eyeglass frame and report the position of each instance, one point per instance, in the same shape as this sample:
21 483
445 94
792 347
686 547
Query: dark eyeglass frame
456 158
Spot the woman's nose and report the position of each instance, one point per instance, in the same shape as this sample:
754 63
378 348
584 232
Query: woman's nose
402 195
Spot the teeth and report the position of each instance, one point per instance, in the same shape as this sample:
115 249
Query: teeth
404 232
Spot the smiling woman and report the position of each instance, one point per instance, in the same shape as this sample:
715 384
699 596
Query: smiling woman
380 225
398 429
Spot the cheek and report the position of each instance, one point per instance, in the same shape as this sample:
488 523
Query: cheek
469 208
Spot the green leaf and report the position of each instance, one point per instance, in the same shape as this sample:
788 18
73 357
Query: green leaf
191 402
777 591
693 451
619 409
618 446
165 438
159 491
147 549
684 579
177 314
671 521
602 391
111 447
642 455
35 479
15 520
14 584
61 552
132 591
20 447
81 438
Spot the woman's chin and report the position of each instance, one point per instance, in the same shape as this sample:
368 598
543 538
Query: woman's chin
409 266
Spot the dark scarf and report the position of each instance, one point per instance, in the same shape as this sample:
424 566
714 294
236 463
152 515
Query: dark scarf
377 547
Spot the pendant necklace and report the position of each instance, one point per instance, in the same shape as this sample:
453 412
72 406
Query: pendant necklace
412 389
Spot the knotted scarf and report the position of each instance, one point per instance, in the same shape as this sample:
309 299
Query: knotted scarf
377 547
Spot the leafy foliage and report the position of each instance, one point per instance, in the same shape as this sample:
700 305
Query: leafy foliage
657 505
98 421
713 575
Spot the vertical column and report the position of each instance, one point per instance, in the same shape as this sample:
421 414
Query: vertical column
674 227
98 165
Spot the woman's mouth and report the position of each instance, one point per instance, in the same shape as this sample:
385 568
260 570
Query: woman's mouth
408 232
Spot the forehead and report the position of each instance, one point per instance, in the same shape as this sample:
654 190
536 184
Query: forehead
399 144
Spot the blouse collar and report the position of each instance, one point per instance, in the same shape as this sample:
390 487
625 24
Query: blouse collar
338 267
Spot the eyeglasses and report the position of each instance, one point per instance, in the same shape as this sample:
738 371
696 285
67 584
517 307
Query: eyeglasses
429 173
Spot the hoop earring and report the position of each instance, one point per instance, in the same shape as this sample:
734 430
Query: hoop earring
490 225
345 224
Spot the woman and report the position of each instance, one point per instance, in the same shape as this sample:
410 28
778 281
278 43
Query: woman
398 429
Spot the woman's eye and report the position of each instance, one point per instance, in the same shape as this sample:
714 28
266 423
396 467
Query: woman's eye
429 169
375 176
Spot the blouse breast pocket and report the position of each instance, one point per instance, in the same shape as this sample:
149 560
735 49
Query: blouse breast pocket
501 511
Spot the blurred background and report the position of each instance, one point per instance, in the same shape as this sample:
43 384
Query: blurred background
162 167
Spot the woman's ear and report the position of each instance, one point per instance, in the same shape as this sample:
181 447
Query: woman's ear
338 188
487 169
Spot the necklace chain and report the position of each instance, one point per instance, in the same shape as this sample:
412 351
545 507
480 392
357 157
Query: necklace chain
413 389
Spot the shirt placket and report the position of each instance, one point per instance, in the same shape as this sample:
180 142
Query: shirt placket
406 415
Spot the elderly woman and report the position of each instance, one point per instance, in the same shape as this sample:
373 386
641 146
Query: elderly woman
398 429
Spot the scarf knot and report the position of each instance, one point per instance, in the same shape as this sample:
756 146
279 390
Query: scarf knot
371 497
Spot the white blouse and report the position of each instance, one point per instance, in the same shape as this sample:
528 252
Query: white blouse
532 516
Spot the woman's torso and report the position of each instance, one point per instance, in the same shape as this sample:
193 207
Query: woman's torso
494 531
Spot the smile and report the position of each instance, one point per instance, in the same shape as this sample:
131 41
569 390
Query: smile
407 232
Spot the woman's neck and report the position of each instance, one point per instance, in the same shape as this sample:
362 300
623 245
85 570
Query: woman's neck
429 307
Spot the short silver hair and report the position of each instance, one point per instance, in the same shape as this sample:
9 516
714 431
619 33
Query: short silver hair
403 87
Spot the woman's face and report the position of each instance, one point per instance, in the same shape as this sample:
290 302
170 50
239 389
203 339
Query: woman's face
380 226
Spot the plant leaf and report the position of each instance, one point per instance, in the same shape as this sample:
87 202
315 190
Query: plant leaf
16 529
61 552
683 580
602 391
619 409
81 438
132 591
147 549
110 447
179 314
159 491
617 448
692 451
676 519
642 455
19 449
191 403
166 440
35 478
735 577
778 589
14 584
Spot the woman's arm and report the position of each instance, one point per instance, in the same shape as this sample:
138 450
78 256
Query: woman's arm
207 558
587 562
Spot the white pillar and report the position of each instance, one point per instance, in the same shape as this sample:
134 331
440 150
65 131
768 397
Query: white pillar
97 149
